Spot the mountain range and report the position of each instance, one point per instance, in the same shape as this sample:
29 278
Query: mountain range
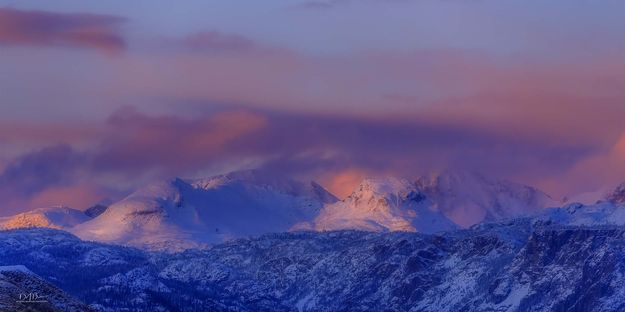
570 258
179 213
392 245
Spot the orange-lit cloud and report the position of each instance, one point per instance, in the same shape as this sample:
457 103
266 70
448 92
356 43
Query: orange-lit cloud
344 182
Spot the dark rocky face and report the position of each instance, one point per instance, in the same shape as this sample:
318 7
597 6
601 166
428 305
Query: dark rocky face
95 210
618 196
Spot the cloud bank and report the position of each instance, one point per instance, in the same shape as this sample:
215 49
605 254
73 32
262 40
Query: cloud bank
135 148
514 90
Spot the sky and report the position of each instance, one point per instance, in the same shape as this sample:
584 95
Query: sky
99 98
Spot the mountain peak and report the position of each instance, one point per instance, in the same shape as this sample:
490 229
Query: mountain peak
380 187
50 217
432 203
618 195
181 213
259 178
468 198
383 204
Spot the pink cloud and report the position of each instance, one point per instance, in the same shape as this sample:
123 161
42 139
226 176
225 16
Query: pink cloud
601 171
343 183
74 132
173 143
388 113
133 148
75 196
535 101
41 28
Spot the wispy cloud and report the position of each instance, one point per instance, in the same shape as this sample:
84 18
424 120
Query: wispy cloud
42 28
330 4
215 42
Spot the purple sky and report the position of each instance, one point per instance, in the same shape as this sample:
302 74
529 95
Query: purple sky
97 98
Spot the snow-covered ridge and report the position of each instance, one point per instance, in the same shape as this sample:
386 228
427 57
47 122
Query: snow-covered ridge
441 202
53 217
261 179
23 290
388 204
181 213
601 213
524 264
14 268
469 198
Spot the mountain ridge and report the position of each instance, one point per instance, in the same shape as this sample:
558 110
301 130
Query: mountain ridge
468 198
23 290
50 217
524 264
440 202
177 214
387 204
191 213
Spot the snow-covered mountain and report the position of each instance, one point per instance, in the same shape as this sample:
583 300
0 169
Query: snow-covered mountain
601 213
52 217
468 198
524 264
440 202
23 290
570 258
180 213
388 204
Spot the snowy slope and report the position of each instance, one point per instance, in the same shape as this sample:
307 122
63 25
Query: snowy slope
518 265
181 214
53 217
388 204
468 198
22 290
440 202
601 213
